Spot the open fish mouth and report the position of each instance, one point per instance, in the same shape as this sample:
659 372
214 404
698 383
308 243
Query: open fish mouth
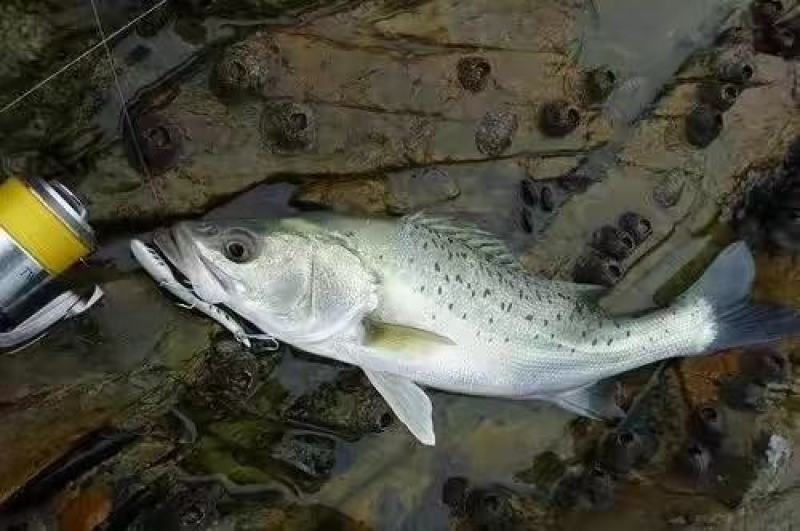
165 246
163 261
188 265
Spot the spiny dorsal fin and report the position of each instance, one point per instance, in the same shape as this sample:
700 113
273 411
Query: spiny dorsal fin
479 240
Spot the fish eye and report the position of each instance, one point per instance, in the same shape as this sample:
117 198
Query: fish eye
239 248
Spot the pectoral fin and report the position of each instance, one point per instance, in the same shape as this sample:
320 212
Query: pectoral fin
408 401
402 339
596 401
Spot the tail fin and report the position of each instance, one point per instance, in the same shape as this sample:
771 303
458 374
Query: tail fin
726 285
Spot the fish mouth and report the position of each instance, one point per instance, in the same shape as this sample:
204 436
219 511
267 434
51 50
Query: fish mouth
189 265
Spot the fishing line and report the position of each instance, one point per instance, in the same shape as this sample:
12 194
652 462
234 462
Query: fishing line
126 117
75 61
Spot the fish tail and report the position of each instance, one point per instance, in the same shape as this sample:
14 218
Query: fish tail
726 286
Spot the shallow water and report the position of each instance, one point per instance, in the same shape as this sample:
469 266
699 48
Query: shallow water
395 107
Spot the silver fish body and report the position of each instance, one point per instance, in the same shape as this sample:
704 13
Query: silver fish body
426 301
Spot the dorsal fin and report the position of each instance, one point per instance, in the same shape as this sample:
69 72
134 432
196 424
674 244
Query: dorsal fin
478 240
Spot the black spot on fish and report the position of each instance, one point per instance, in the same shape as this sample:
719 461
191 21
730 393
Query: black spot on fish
433 316
458 279
616 324
536 336
425 245
545 322
450 306
628 333
506 340
521 296
422 288
508 309
473 293
469 285
538 297
491 320
583 334
380 257
558 317
502 306
436 266
464 316
552 336
450 255
447 278
486 293
529 317
609 342
572 350
439 290
594 342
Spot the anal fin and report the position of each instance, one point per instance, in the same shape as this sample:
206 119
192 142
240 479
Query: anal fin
408 401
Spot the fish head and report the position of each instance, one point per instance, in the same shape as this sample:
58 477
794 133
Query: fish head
242 264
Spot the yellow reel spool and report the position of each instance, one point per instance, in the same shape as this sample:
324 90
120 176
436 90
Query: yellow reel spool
37 229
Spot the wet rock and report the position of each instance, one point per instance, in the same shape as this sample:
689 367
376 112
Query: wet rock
473 73
414 190
304 517
189 509
599 84
669 190
767 366
720 96
766 217
526 221
574 182
791 160
454 494
156 20
636 225
766 12
495 132
743 393
313 455
528 193
247 67
558 118
229 381
594 268
778 40
491 508
708 425
613 242
288 127
591 489
86 511
623 450
347 196
90 452
154 145
350 406
696 462
545 473
739 71
703 125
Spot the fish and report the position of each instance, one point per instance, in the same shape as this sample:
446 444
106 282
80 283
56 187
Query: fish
426 302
